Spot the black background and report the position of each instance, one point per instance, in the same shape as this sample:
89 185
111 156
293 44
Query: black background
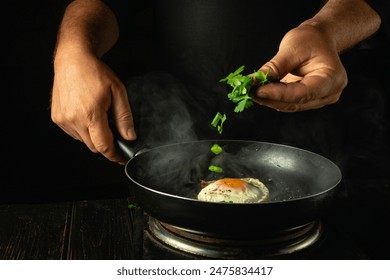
39 161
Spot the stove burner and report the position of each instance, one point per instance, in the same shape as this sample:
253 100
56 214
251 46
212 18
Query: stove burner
277 244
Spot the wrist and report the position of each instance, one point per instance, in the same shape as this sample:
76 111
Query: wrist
320 29
66 53
345 23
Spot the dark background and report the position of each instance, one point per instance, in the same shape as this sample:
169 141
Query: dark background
41 162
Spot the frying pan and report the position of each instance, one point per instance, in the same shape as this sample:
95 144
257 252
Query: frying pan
166 179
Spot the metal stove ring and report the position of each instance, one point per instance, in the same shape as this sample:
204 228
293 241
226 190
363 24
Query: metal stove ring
295 239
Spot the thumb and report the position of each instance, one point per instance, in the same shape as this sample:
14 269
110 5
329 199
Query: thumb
122 115
280 65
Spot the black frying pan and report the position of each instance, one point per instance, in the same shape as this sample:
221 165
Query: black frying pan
166 180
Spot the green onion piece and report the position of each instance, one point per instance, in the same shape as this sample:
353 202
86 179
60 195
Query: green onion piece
216 119
214 168
219 118
130 206
216 149
220 127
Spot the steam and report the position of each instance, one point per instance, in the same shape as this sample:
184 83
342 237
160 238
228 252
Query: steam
166 112
159 104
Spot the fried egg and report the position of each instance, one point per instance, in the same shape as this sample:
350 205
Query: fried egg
234 190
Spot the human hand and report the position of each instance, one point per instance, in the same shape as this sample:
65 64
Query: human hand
85 91
310 69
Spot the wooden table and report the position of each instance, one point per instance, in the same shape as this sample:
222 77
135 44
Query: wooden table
86 229
102 227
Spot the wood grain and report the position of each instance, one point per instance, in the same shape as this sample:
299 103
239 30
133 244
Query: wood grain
100 230
34 231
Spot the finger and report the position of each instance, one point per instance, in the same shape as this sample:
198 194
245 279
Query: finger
71 133
102 139
280 65
86 139
81 135
290 78
122 115
311 87
296 107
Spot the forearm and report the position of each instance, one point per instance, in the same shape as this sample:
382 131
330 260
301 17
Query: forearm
88 26
346 22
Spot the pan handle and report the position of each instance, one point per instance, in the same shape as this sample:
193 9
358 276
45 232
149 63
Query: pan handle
128 149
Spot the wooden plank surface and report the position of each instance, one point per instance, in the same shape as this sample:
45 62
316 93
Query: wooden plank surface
34 231
100 229
87 229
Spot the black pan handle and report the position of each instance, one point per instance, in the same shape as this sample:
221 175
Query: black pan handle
128 149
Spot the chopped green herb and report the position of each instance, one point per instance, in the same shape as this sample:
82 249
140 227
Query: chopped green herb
261 77
218 121
216 149
130 206
242 84
215 168
241 93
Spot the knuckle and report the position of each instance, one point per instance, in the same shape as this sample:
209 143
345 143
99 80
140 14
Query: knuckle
58 119
124 117
293 108
290 108
308 96
102 148
334 98
55 119
274 69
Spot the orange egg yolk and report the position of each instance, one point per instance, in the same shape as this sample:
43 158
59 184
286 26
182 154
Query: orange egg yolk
231 183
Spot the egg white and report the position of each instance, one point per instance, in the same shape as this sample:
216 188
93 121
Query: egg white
255 192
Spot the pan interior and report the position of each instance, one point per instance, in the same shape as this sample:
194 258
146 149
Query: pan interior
289 173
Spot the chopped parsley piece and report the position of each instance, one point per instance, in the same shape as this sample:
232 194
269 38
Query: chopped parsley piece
241 87
241 93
